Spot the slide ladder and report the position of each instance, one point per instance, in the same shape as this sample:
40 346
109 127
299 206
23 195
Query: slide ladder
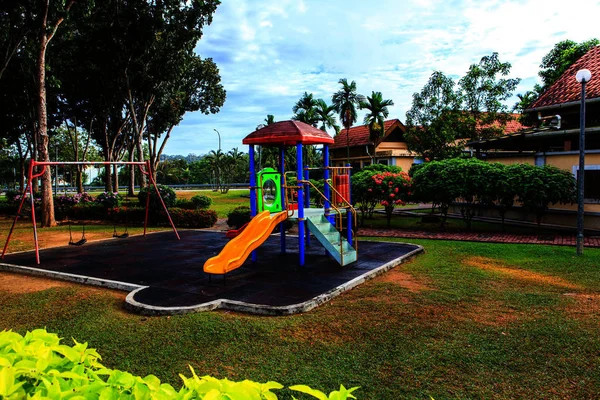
331 239
237 250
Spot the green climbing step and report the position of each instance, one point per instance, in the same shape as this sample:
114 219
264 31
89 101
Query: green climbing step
331 239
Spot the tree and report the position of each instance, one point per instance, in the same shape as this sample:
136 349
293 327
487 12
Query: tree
538 187
270 119
197 87
345 101
560 58
304 110
47 30
553 66
482 92
325 116
433 119
16 24
375 118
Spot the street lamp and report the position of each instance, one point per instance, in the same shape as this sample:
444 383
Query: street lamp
583 76
219 138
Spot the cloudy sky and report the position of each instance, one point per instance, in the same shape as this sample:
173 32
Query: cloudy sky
271 51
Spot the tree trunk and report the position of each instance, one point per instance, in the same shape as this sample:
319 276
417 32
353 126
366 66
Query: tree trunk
131 184
47 217
115 178
79 178
140 157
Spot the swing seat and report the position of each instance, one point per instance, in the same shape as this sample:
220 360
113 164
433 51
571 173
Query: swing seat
122 236
79 242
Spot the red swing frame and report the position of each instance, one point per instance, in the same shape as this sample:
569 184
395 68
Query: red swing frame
44 164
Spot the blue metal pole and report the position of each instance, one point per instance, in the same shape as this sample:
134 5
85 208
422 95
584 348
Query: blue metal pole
282 172
348 213
300 204
252 190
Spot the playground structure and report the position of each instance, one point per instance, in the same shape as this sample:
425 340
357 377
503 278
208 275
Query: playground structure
144 168
274 200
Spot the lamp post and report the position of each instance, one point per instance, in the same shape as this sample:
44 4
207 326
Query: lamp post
583 76
219 138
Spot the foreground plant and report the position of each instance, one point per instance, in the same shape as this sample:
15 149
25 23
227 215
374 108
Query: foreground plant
38 366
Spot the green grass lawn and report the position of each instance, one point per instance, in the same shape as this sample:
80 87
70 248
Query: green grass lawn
463 320
222 202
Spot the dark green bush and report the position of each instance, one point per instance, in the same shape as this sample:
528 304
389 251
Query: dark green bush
128 215
193 218
201 201
83 211
238 217
11 194
185 204
168 195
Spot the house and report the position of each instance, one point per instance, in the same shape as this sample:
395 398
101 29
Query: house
391 149
555 139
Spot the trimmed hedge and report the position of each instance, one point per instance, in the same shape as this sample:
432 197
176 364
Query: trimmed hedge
193 218
38 366
238 217
201 201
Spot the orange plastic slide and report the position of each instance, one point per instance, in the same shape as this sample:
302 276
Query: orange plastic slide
239 248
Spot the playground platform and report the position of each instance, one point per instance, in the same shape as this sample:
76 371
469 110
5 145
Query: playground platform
164 276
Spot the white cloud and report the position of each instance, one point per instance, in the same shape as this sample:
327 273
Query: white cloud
271 51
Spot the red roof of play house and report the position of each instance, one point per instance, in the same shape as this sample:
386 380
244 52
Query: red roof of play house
359 135
288 133
566 89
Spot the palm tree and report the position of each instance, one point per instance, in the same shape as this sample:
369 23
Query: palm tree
215 160
345 101
326 116
375 118
267 121
304 110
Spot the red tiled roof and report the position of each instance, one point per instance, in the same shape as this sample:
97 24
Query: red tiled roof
512 125
566 89
359 135
288 133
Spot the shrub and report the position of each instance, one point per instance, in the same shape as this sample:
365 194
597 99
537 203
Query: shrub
432 183
238 217
364 189
127 215
168 195
10 194
81 211
109 199
201 201
391 189
537 187
37 365
185 204
193 218
65 201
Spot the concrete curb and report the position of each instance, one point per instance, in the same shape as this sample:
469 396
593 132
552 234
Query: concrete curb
63 276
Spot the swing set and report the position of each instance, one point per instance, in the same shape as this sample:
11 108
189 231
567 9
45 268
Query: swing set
144 168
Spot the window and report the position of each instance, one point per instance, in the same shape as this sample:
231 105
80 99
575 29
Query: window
591 190
383 161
